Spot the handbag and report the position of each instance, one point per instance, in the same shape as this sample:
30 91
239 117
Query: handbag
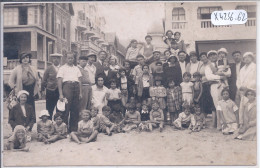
12 100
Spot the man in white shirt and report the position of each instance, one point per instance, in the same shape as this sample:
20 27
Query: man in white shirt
182 56
91 68
69 84
215 90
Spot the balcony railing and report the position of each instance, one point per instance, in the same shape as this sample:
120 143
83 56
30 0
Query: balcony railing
89 45
208 24
251 22
82 24
12 63
178 25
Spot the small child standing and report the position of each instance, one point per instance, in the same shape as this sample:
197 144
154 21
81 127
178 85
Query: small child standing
184 119
95 118
187 88
86 131
60 129
114 97
174 101
156 117
132 118
144 82
197 87
198 120
228 111
45 127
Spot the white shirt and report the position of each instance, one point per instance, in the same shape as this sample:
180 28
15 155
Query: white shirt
98 96
194 67
247 76
69 73
23 110
209 73
114 93
124 83
238 69
146 81
183 67
91 72
56 67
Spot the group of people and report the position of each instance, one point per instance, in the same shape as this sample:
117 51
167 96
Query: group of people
150 90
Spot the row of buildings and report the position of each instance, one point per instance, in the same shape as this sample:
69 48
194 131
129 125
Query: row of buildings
46 28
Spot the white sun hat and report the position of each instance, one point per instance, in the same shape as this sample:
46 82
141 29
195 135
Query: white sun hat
222 50
61 105
22 92
44 113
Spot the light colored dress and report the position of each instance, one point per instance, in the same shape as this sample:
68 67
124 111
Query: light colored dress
187 92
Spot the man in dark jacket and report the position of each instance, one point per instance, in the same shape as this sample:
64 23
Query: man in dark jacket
102 55
50 83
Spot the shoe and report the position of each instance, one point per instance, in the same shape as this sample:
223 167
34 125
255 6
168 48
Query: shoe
161 129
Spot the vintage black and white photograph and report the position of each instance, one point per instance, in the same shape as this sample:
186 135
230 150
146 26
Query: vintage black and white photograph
129 83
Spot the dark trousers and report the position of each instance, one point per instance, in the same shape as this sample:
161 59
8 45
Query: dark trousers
51 100
30 90
71 114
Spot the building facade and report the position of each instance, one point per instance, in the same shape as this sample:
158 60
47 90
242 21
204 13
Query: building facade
192 19
39 28
115 48
87 30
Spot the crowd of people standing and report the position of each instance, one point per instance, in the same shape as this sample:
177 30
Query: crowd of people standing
149 90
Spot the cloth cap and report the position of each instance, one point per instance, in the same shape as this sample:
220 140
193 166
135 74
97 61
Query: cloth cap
156 51
222 50
61 105
22 92
83 57
23 55
172 56
248 54
212 52
193 53
44 113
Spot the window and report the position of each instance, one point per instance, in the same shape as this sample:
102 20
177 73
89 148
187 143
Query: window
64 31
58 25
35 15
76 35
23 18
10 16
250 9
204 13
178 18
178 14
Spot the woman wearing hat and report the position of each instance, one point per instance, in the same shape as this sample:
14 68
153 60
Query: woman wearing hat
22 113
25 77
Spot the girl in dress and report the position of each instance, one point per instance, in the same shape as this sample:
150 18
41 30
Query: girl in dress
168 38
45 128
187 88
197 88
174 100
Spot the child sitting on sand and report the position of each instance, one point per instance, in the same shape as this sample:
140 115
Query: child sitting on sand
45 127
60 129
156 117
18 141
132 118
228 111
105 125
143 126
86 132
95 118
198 120
184 119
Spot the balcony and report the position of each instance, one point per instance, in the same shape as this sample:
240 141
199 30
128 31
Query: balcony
250 22
81 24
178 25
88 45
11 64
208 24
